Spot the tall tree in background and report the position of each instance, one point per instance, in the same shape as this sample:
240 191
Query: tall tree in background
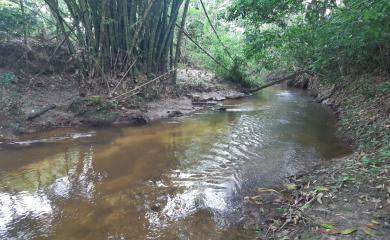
24 29
180 37
327 36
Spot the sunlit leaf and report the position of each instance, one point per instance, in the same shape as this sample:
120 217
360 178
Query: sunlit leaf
327 226
368 231
321 189
347 231
291 186
265 190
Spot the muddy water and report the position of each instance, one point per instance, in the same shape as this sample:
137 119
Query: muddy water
176 179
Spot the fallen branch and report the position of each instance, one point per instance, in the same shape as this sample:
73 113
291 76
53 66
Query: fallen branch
203 50
142 85
34 115
292 76
124 76
215 31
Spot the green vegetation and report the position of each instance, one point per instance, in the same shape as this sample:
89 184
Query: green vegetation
12 19
330 37
116 37
226 46
104 61
6 78
344 42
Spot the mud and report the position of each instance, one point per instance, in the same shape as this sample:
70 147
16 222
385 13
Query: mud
27 94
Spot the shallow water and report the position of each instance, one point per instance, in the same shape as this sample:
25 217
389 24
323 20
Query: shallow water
176 179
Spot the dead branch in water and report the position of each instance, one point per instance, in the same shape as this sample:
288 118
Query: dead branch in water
292 76
34 115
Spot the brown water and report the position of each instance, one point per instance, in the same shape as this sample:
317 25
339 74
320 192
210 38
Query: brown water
175 179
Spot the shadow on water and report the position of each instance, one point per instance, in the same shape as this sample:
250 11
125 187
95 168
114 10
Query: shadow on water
173 179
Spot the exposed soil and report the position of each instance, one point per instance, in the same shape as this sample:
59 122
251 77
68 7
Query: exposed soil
43 91
348 198
25 95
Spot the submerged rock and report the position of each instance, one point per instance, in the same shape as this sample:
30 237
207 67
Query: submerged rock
174 113
96 119
137 118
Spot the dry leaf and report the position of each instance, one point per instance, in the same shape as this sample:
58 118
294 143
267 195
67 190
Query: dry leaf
319 197
368 232
321 189
375 222
266 190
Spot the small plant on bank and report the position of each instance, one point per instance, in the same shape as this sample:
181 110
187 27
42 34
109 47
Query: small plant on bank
100 103
7 78
236 73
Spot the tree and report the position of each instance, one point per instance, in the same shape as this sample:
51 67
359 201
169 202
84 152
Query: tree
327 37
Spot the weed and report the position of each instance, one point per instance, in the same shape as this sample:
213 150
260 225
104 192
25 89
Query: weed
383 88
6 78
100 103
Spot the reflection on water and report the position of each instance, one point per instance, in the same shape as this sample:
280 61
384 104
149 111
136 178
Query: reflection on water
181 179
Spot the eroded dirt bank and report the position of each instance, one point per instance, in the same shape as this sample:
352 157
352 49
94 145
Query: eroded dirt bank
348 198
51 101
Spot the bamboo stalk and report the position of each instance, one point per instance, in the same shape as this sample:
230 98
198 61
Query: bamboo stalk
109 33
179 39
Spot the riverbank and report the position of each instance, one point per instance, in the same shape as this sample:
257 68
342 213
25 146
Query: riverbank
52 101
348 198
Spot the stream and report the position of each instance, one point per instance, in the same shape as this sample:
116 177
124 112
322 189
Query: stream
182 178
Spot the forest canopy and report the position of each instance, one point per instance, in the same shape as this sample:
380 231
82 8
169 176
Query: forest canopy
234 38
327 36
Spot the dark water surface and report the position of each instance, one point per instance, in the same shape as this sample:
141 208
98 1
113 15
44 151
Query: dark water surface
173 179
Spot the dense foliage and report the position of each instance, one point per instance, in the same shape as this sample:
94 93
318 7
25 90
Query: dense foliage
227 46
12 19
109 36
328 36
200 30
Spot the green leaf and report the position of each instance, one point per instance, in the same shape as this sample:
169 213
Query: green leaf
6 78
327 226
348 179
291 186
321 189
305 206
347 231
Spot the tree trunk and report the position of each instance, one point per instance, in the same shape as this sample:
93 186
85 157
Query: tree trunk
292 76
179 40
24 30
